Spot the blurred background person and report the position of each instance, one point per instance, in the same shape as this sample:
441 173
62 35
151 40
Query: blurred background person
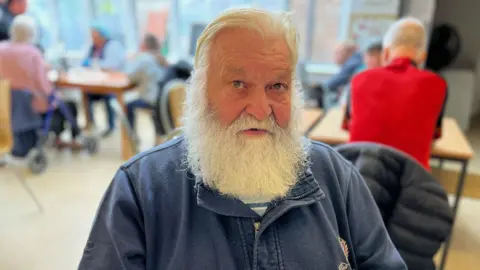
8 11
145 71
349 59
106 54
399 105
372 58
22 64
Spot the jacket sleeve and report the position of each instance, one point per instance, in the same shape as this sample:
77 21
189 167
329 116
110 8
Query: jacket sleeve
372 247
117 238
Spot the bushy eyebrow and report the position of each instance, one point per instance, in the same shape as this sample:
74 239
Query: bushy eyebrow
281 74
227 69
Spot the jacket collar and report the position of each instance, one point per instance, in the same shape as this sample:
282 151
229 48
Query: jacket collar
306 190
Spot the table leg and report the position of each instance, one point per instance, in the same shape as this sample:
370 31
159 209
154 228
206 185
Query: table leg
440 163
88 123
458 196
127 149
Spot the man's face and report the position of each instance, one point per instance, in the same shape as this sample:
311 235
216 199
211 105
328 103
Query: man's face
97 38
372 59
18 7
241 117
251 76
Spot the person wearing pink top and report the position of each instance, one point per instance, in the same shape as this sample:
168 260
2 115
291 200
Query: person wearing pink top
22 64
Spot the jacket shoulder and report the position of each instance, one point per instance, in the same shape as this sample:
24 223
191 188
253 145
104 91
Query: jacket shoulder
169 151
330 169
160 165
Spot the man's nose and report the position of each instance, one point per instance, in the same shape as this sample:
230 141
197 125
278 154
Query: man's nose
259 105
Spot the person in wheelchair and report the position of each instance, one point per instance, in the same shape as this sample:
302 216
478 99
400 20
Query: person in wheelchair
22 64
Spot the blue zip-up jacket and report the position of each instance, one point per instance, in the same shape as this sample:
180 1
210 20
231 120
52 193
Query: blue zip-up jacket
155 215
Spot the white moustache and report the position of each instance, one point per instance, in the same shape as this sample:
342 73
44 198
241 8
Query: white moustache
246 122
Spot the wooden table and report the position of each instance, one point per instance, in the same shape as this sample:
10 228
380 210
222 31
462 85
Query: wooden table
452 146
310 117
99 82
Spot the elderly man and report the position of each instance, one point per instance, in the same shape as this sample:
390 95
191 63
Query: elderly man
350 61
242 189
399 105
8 11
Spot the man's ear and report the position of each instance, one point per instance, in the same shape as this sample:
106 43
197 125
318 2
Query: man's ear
385 56
422 57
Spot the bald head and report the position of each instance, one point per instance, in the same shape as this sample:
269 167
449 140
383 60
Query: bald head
406 38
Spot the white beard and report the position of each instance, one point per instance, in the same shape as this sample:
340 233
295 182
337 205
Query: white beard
236 165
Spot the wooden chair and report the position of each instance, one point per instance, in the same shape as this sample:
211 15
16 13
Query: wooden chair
171 106
6 137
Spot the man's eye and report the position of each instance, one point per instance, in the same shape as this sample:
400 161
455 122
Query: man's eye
238 84
279 87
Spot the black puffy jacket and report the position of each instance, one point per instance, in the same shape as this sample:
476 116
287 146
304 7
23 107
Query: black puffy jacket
414 206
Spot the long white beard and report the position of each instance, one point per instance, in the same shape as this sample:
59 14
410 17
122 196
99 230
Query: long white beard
237 165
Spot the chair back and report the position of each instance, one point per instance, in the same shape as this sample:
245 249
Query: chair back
6 134
176 98
171 105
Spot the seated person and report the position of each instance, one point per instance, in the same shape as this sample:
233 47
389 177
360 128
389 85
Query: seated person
243 189
399 104
349 60
106 54
372 58
144 71
22 64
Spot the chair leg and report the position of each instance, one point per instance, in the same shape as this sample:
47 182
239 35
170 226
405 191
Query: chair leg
25 185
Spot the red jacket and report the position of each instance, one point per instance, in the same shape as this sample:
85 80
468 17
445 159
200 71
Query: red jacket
397 105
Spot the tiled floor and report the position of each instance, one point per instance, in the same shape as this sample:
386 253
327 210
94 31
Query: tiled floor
71 189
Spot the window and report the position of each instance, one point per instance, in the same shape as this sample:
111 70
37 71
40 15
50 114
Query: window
320 23
117 15
42 12
152 17
190 16
299 9
327 19
73 21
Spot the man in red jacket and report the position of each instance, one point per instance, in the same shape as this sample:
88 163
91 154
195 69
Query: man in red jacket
399 104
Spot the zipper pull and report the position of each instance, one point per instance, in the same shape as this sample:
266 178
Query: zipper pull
257 226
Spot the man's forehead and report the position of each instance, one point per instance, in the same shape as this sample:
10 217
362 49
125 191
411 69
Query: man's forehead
248 43
241 69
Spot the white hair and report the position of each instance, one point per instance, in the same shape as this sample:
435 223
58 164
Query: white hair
23 29
256 19
409 32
